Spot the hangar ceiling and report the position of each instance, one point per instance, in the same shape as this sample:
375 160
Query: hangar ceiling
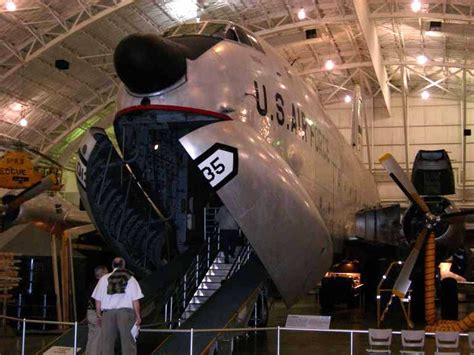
372 43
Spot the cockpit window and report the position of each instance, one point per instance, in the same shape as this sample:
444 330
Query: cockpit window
254 41
188 28
169 32
248 39
214 29
243 36
230 34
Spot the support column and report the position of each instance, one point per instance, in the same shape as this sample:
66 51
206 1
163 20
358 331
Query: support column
367 141
463 135
65 272
54 262
405 118
372 133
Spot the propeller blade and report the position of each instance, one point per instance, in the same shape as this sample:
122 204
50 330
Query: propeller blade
13 202
455 215
403 282
403 182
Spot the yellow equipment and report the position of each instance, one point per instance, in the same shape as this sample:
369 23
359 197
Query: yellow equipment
17 171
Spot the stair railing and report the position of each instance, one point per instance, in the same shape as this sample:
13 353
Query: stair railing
240 260
192 278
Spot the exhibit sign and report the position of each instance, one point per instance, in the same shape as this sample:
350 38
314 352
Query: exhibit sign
307 322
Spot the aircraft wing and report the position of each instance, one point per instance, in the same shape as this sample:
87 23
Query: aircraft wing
268 202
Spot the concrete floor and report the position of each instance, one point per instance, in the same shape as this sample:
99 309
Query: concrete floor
297 343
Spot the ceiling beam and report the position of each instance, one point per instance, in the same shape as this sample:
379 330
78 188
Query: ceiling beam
369 31
385 16
327 20
337 67
77 26
77 124
421 15
394 63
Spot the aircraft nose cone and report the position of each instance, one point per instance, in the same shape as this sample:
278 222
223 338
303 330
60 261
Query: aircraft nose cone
148 63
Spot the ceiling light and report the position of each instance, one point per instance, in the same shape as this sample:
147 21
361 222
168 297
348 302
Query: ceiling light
183 10
10 5
23 122
329 65
434 33
415 6
156 146
347 99
16 106
421 59
301 14
425 95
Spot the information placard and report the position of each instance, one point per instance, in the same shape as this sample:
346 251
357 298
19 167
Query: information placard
307 322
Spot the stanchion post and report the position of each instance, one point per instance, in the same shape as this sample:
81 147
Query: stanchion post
191 342
278 340
352 343
75 338
23 335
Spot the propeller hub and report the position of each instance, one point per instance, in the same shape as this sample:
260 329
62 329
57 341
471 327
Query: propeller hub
432 219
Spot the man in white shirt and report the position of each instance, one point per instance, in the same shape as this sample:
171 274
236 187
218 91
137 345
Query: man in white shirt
94 334
117 297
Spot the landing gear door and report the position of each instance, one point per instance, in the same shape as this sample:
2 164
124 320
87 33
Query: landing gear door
268 202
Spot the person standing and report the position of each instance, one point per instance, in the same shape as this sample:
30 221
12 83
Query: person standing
229 232
117 298
94 334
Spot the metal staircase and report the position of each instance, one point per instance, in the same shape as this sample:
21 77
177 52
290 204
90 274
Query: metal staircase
205 275
218 273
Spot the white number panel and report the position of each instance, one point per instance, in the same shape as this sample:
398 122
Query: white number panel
219 164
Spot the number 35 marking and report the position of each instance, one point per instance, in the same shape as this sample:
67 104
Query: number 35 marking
219 164
215 169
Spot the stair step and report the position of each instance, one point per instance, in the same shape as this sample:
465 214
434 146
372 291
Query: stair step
220 260
201 292
218 266
199 299
213 278
186 315
209 286
192 307
217 272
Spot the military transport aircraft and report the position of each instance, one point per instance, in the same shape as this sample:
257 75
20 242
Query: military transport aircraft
212 107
